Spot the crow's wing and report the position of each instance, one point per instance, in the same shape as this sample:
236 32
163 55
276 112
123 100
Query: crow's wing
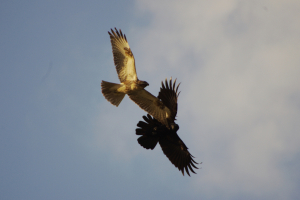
168 95
174 148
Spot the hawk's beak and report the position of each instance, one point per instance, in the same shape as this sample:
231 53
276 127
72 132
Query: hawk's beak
145 83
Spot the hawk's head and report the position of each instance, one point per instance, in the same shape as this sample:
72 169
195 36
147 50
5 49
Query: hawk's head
143 84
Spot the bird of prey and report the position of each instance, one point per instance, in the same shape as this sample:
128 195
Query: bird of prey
153 132
132 86
125 65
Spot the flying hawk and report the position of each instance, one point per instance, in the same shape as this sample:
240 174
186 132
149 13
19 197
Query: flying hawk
125 65
153 132
159 107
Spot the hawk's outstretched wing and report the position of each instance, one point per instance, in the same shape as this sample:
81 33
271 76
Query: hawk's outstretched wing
152 132
164 107
123 57
151 104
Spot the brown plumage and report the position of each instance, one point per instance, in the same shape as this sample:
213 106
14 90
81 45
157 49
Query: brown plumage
163 107
153 132
159 107
125 66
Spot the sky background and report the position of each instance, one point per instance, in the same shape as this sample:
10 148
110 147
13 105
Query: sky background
239 107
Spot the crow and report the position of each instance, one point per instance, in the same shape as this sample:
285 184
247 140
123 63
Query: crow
152 131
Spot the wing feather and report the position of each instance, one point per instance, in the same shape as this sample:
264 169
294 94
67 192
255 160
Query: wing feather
151 104
169 95
123 57
178 154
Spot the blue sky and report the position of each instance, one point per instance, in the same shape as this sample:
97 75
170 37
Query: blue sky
239 111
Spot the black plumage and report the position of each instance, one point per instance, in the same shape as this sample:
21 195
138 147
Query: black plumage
153 131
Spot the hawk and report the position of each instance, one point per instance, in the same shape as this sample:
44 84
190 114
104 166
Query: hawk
125 65
153 132
159 107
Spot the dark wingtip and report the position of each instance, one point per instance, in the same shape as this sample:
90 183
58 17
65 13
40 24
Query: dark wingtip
166 83
192 169
187 170
177 88
182 171
111 33
145 118
173 83
117 33
163 85
142 124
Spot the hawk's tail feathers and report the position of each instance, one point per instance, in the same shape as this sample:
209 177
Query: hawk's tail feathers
109 91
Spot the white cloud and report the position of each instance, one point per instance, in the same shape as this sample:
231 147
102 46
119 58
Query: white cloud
239 67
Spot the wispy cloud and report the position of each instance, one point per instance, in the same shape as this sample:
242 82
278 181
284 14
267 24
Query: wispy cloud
239 67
